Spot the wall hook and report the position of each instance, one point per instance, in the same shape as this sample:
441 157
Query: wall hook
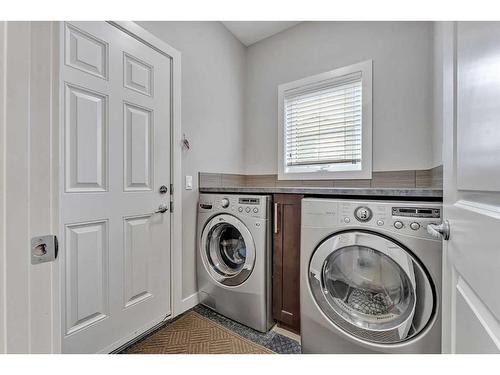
185 142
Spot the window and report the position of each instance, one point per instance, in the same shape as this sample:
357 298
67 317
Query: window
325 125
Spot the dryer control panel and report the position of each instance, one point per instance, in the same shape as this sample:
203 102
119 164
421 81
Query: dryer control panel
409 218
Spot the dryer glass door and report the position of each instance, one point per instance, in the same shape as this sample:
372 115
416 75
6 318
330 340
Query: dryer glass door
369 286
227 250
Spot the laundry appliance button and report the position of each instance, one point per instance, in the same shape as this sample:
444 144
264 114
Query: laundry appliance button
380 223
415 226
255 210
347 220
398 225
247 209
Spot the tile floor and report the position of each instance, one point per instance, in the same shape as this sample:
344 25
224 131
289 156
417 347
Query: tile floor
272 340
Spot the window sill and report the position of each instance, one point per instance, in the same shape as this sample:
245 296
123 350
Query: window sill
326 175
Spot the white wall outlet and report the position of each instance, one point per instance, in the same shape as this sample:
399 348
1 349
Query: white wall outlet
189 182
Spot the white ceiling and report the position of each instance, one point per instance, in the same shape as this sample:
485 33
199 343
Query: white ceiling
250 32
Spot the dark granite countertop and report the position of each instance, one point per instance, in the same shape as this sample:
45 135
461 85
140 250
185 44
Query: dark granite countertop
434 194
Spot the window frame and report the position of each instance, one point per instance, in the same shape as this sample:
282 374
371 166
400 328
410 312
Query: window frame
365 172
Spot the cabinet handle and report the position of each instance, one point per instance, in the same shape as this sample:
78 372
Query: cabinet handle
276 218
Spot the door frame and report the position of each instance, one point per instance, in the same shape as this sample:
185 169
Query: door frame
145 37
448 110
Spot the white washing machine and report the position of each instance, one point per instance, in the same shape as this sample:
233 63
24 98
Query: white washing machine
234 257
370 277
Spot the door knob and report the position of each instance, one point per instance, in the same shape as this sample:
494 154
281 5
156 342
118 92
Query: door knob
439 231
161 209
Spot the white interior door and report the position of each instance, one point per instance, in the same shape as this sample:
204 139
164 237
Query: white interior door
115 150
471 308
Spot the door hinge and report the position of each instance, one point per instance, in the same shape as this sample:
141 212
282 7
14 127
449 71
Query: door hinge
171 206
171 189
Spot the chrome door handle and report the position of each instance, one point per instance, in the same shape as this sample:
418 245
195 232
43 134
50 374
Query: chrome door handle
162 208
439 231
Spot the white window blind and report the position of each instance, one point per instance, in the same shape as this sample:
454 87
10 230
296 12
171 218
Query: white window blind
323 122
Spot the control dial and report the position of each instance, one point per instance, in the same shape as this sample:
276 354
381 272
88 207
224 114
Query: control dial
224 203
363 214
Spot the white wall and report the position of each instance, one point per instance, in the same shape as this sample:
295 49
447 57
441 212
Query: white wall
402 54
213 73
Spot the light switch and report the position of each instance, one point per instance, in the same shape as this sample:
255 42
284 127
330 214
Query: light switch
189 182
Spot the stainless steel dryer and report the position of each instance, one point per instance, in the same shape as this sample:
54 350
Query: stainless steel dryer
234 257
370 277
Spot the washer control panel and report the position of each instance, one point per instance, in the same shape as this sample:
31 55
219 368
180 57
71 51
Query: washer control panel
254 206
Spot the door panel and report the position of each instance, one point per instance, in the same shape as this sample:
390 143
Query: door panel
471 155
478 112
87 273
475 252
472 326
86 52
138 148
86 140
116 145
138 75
137 247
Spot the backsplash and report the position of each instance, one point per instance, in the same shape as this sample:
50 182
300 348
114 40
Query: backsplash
428 178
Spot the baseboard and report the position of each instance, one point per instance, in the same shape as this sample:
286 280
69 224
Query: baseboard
187 303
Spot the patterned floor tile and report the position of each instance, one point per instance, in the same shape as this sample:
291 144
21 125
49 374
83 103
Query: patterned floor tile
271 340
194 335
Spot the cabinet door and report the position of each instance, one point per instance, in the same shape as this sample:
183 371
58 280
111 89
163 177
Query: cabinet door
286 260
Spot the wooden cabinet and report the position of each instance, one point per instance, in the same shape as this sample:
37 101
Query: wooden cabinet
286 260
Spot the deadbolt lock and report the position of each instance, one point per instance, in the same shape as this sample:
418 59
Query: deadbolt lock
163 189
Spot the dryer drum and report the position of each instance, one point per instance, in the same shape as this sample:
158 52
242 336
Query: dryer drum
370 287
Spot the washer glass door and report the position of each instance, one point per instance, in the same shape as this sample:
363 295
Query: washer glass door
227 250
369 286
